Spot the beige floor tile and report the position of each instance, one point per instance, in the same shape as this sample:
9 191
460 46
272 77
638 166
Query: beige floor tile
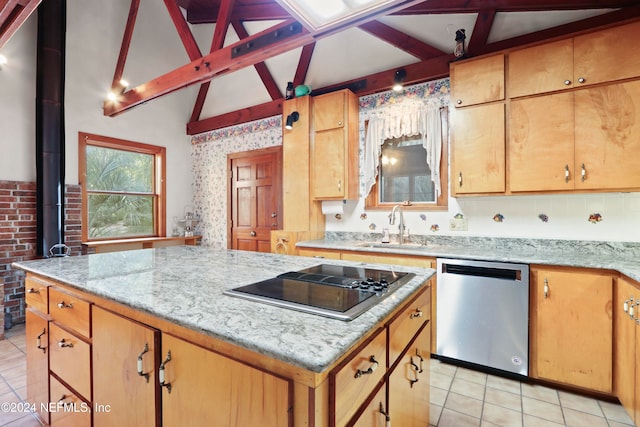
541 409
471 376
26 421
531 421
503 398
575 418
540 393
440 380
438 396
580 403
455 419
467 388
504 384
434 414
615 412
618 424
501 416
442 368
464 404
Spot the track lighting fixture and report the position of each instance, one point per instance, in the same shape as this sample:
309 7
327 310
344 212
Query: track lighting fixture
291 119
398 79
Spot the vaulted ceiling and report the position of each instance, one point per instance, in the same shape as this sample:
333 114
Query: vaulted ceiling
242 53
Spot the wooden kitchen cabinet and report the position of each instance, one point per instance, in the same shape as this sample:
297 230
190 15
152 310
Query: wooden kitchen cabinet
582 140
202 385
589 59
319 253
571 327
477 81
478 150
627 346
37 339
334 146
375 413
120 347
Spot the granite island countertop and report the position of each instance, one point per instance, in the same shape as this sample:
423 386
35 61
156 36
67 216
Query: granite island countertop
621 257
184 285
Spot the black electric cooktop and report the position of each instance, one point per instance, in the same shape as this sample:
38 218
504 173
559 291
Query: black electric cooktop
340 292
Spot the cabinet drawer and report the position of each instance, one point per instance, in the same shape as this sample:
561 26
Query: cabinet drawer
405 326
69 311
67 409
70 359
357 377
36 292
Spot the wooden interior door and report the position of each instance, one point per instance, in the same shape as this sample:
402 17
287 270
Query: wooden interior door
256 198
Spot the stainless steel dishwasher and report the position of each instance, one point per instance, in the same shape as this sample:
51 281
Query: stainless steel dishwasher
483 314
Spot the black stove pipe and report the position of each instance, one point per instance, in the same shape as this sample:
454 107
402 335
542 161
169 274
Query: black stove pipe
50 139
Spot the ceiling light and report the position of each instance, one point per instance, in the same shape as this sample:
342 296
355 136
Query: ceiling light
398 79
112 96
3 60
291 119
319 15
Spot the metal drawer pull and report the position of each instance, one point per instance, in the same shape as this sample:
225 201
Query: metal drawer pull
415 367
33 291
62 399
65 305
567 82
161 373
387 418
139 364
374 365
581 80
625 305
39 341
546 289
420 370
62 343
584 173
566 173
460 179
416 314
339 185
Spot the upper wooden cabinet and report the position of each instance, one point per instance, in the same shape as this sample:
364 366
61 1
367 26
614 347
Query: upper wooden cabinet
477 81
478 149
334 146
580 140
598 57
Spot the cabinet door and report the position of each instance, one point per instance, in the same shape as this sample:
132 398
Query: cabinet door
607 55
375 413
209 389
625 345
607 125
478 150
541 143
120 345
572 328
477 81
329 163
540 69
36 337
409 384
329 111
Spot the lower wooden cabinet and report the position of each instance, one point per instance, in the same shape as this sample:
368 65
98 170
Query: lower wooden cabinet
37 339
571 327
202 385
67 408
409 383
627 346
125 381
375 414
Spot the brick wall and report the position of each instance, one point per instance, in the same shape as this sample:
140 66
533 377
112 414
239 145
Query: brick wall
18 239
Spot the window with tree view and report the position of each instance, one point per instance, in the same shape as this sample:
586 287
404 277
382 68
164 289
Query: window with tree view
122 195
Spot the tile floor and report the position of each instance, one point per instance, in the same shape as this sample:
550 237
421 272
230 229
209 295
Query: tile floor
459 397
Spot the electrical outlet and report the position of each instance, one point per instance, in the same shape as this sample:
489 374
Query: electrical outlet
458 224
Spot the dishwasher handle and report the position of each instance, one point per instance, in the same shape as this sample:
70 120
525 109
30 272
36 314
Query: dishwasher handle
513 274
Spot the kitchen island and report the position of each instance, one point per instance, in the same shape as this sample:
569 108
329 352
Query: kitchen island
113 323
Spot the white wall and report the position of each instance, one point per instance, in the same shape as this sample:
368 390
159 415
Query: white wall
94 35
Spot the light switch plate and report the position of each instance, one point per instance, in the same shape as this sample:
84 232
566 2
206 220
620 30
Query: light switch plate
458 224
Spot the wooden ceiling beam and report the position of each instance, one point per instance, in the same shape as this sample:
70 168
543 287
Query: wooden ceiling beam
481 30
303 64
263 72
116 85
183 29
430 69
13 13
403 41
259 12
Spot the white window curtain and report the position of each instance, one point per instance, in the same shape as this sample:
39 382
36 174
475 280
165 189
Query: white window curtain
406 120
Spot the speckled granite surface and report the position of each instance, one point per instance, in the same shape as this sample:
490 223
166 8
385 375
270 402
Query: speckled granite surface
184 285
620 256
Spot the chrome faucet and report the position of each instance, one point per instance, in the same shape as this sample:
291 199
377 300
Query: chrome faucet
392 221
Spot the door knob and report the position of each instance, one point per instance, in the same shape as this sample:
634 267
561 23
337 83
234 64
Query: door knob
253 234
